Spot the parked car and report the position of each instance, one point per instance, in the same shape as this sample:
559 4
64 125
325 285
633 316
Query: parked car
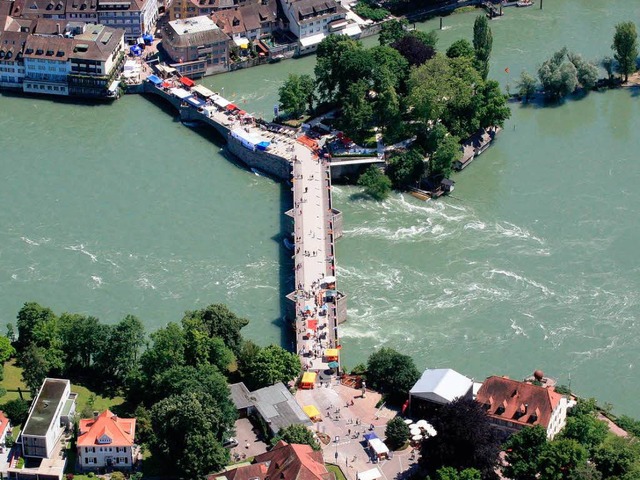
230 443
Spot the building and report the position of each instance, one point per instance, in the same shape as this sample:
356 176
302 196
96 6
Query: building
107 441
512 405
181 9
438 387
312 20
248 23
5 431
44 426
196 46
12 70
282 461
82 10
135 17
273 406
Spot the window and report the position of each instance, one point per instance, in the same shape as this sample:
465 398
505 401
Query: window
126 460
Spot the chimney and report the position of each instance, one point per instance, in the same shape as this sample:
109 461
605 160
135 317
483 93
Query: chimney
95 415
57 29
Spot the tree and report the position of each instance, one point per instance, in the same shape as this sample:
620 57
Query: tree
406 168
585 471
36 324
450 473
414 50
625 46
523 450
482 45
296 434
392 374
607 64
558 77
448 152
397 433
357 111
392 31
376 184
585 406
6 350
461 48
166 351
329 69
587 72
202 349
17 410
117 476
464 440
494 110
218 321
79 336
189 429
297 94
526 86
616 456
35 367
271 365
586 429
560 458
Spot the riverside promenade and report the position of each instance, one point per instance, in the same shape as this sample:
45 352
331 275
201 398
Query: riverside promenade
316 307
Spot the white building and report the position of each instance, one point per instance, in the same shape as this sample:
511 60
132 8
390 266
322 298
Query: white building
135 17
5 431
12 70
46 65
106 441
44 426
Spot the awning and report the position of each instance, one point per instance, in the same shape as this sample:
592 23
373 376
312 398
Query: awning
329 279
181 93
203 91
331 352
196 102
352 30
312 40
372 474
311 411
308 378
221 102
242 42
187 82
242 112
231 107
154 79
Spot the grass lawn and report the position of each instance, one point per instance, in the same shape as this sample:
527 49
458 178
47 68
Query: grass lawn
13 380
337 471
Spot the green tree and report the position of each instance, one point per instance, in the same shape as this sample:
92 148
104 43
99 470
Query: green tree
272 364
406 168
494 110
585 471
527 86
218 321
482 45
35 367
391 373
392 31
585 406
441 161
587 72
414 50
35 323
297 94
625 46
296 434
450 473
6 350
375 183
166 350
586 430
557 76
461 48
464 440
117 476
608 65
188 431
330 68
11 332
17 411
79 336
616 456
397 433
202 349
357 111
523 451
560 458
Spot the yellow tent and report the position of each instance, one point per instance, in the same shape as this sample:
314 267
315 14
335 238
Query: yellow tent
308 380
311 411
331 353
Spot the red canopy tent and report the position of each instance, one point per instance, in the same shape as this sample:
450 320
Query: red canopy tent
242 112
187 82
231 107
312 324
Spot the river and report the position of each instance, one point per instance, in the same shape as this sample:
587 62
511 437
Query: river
531 263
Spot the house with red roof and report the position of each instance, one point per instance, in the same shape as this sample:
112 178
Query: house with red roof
107 440
5 429
286 461
512 405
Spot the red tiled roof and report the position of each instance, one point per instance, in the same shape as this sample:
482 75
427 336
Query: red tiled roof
518 402
284 461
121 431
4 423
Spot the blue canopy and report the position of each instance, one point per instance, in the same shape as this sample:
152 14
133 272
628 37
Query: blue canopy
154 79
136 50
147 37
370 436
263 145
195 101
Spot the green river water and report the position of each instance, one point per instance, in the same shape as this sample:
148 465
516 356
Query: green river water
531 263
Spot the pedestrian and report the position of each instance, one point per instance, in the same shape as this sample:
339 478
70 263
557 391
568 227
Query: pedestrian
349 432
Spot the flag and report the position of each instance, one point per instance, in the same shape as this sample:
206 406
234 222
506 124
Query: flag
507 70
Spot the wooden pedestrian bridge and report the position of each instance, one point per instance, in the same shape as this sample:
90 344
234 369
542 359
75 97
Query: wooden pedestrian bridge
316 306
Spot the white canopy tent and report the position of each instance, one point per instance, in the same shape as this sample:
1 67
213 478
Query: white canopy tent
181 93
379 447
372 474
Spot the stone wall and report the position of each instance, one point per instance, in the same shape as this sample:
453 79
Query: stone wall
266 162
